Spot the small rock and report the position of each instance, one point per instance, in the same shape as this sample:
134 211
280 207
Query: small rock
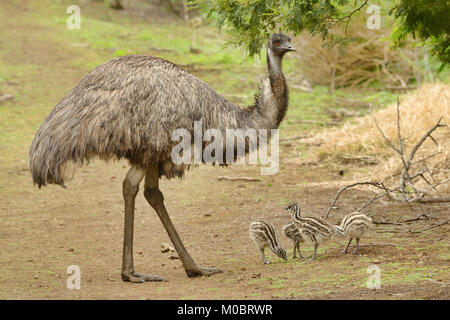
166 247
36 277
207 214
139 252
195 50
172 257
71 249
6 96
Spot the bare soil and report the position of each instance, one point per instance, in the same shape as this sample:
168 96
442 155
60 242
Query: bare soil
45 231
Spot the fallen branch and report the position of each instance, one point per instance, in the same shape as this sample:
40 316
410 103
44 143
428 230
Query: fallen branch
380 244
432 227
419 217
300 87
238 178
365 159
375 184
295 138
438 282
329 123
388 222
431 200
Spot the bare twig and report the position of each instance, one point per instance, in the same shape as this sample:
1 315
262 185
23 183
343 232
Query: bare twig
388 223
375 184
431 200
432 227
238 178
438 282
381 244
368 203
295 138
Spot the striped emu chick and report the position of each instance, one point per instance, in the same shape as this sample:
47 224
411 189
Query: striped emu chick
264 235
354 225
291 231
312 229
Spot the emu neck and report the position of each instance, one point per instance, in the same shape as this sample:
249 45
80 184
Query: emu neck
296 218
274 64
272 104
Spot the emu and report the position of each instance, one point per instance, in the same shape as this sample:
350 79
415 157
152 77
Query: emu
264 235
312 229
127 108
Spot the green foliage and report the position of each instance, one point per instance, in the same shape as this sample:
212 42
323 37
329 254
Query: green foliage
250 22
426 20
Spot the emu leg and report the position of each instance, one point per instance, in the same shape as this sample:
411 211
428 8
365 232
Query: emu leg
348 245
130 189
156 199
264 261
315 250
295 250
297 244
356 247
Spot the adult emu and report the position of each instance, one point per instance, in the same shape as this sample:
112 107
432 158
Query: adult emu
128 108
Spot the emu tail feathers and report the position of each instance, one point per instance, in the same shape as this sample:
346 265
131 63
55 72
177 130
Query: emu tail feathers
46 161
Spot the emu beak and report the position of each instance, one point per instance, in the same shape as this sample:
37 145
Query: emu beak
290 48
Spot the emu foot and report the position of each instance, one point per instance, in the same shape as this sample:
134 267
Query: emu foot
200 272
137 277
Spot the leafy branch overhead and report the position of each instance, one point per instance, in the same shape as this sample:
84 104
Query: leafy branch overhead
250 22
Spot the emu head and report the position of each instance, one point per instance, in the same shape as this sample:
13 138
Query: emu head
281 252
293 207
279 44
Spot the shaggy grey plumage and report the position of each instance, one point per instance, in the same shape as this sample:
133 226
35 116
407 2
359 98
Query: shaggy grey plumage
128 108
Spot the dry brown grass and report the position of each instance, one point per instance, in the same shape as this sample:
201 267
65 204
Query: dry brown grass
419 111
368 58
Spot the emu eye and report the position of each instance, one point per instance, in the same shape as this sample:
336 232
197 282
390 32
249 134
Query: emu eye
276 43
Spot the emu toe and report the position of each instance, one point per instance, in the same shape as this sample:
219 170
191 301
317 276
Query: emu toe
137 277
203 272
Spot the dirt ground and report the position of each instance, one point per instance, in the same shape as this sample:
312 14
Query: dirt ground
43 232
